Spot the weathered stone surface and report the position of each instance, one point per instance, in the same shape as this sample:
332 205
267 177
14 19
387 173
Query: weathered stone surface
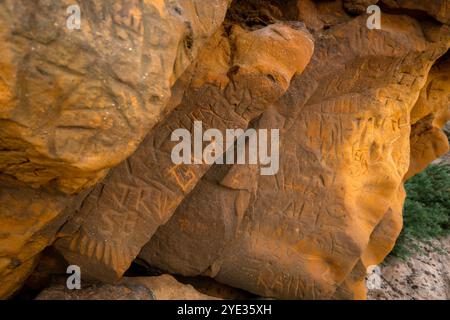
76 102
235 80
363 116
438 9
358 6
429 115
334 209
212 288
29 220
98 291
50 265
423 276
164 287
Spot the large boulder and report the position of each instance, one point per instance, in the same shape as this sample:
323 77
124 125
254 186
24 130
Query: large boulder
438 9
74 103
334 208
429 116
77 102
87 116
237 77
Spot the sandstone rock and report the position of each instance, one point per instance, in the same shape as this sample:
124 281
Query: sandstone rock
334 208
29 220
358 6
76 102
438 9
447 128
212 288
164 287
429 115
362 117
49 265
322 15
97 292
238 76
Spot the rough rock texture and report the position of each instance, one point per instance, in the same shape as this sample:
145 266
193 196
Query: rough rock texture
359 111
29 220
99 291
124 211
210 287
424 276
164 287
358 6
429 115
439 9
76 102
334 208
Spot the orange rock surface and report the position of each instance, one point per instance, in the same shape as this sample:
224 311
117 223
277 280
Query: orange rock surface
74 103
86 118
334 209
164 287
124 211
429 115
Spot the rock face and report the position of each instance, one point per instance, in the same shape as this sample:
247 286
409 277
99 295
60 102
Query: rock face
74 103
97 292
429 115
228 92
29 221
334 208
423 276
164 287
358 112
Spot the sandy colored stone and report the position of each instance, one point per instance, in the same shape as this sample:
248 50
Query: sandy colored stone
423 276
362 117
29 220
77 102
212 288
164 287
428 117
235 80
438 9
74 103
358 6
334 209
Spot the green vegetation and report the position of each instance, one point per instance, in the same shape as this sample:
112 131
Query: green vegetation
427 209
